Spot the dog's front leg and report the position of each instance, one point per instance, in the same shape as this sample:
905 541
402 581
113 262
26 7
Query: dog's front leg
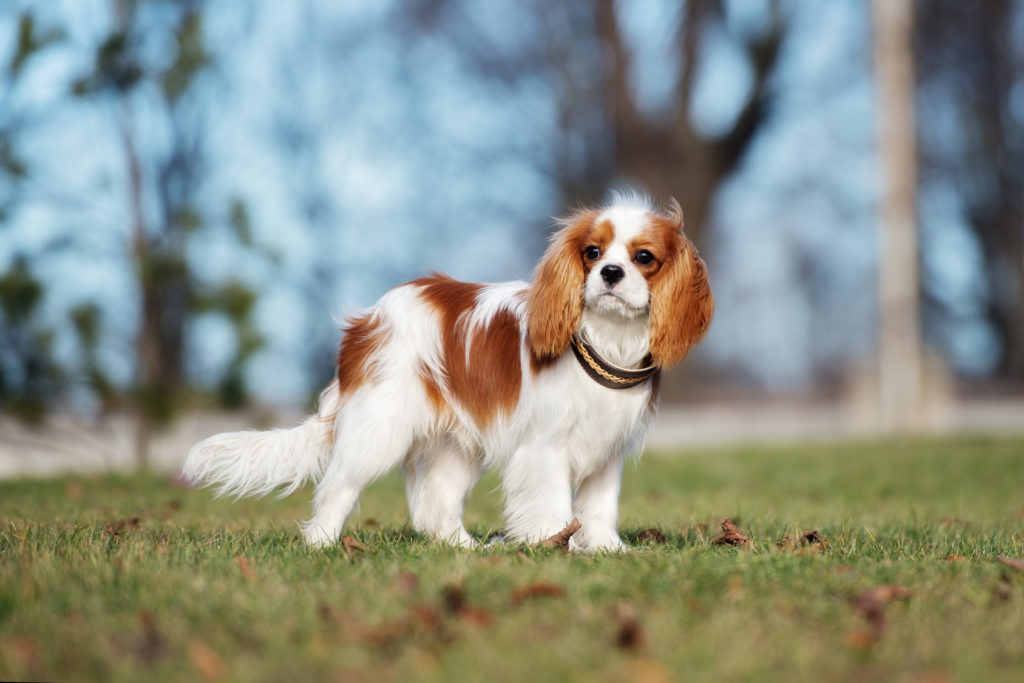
596 505
538 495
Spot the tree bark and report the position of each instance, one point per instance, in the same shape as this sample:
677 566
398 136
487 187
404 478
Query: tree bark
899 343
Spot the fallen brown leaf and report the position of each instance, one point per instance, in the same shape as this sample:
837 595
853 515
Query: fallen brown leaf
205 661
955 558
871 604
1012 563
629 632
731 535
561 539
812 537
652 535
453 597
248 573
351 545
538 589
114 529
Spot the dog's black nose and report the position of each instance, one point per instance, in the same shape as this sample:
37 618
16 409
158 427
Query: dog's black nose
612 274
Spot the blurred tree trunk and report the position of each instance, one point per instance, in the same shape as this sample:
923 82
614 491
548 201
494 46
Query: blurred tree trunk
665 154
899 352
972 64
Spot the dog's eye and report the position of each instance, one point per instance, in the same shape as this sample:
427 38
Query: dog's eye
643 257
592 253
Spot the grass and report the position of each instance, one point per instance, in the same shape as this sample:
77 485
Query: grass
205 589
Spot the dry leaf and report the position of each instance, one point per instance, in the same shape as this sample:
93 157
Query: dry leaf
652 535
812 537
453 597
731 535
205 661
871 604
247 571
538 589
629 632
350 544
561 539
955 558
1012 563
114 529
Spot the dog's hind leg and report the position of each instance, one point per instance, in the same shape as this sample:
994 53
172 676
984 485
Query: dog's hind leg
437 482
373 437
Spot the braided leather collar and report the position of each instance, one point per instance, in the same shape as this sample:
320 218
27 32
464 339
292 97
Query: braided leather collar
606 374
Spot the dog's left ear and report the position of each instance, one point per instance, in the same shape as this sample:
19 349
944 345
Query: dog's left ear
681 300
554 305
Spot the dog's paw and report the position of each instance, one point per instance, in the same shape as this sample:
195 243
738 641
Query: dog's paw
318 537
608 542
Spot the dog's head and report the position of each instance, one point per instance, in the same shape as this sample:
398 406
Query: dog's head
627 260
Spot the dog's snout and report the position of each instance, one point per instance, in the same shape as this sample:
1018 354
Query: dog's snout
612 274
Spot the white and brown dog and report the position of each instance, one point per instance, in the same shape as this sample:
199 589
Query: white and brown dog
553 383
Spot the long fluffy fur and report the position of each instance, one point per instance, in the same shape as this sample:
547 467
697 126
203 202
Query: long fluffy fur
254 463
445 378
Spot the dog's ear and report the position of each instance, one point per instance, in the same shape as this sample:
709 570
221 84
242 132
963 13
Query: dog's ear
681 301
554 305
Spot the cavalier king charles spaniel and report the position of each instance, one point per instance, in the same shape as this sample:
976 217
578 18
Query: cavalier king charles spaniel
553 383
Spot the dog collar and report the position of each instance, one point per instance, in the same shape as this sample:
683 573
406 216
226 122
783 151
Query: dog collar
605 373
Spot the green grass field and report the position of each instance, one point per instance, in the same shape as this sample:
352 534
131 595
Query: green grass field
204 589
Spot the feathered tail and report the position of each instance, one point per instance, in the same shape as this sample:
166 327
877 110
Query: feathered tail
254 463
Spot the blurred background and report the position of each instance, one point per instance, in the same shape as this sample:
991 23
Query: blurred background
193 194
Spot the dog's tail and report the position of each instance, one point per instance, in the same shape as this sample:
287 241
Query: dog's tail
254 463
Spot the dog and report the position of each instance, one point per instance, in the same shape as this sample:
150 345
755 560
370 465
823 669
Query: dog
553 383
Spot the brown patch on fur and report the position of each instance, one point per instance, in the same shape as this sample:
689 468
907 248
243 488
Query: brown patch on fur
681 300
433 390
489 380
361 339
555 302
